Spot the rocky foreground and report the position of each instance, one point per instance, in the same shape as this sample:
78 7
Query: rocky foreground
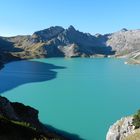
20 122
127 128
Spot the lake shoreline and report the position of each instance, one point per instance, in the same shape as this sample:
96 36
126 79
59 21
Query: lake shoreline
12 58
89 60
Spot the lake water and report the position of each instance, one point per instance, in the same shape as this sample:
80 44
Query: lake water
81 96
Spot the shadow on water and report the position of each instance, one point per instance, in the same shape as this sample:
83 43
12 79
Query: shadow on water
69 136
22 72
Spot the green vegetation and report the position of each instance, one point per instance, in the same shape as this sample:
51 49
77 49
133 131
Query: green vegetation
16 130
20 123
136 119
19 130
24 124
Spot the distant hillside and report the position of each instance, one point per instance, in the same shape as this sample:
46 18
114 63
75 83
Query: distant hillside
59 42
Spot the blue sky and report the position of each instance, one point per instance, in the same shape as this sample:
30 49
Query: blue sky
94 16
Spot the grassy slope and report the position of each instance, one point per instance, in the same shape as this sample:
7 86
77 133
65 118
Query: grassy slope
15 130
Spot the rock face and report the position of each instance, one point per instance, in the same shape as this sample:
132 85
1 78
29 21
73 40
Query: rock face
124 41
19 112
59 42
134 58
47 34
7 110
121 129
55 42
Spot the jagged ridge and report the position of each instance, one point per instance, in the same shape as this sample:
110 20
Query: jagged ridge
59 42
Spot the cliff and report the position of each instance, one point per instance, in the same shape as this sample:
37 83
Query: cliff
128 128
121 129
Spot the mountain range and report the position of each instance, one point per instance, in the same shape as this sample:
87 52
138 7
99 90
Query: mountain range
59 42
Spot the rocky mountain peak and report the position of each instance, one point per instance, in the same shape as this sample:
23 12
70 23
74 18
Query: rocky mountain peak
124 30
49 33
71 28
46 43
97 35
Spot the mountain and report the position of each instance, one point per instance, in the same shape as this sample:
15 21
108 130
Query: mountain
59 42
124 41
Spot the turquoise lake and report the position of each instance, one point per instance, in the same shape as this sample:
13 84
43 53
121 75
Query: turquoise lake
81 96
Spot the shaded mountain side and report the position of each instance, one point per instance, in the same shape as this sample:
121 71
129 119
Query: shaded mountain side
59 42
1 62
20 122
14 131
55 42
